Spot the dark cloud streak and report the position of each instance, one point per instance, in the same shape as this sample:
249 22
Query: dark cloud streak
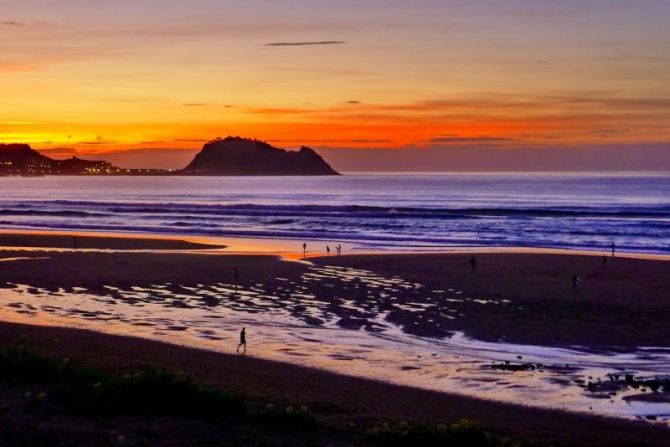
460 139
304 43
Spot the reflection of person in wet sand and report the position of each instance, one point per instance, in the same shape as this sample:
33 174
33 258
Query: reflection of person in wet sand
243 341
473 263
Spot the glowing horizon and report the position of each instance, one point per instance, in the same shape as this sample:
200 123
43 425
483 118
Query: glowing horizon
94 78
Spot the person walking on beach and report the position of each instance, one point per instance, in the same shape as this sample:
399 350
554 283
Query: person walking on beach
243 341
304 249
473 264
576 280
339 249
328 250
613 248
74 243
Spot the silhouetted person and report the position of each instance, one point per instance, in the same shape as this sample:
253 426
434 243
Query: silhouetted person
304 249
236 278
575 282
339 249
243 340
473 263
74 243
604 259
613 248
328 249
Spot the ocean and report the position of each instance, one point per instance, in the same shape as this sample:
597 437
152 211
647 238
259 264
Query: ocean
389 211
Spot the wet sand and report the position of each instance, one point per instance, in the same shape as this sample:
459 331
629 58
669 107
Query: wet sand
335 397
514 298
510 297
623 302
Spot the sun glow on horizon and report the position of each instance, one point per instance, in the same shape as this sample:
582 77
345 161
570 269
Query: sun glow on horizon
431 74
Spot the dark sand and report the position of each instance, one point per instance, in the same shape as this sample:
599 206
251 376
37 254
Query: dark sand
625 302
46 240
338 398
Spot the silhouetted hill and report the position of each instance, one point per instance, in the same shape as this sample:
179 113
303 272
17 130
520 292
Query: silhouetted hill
242 156
21 159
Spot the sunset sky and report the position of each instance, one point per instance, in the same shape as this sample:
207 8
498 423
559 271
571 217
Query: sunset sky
146 82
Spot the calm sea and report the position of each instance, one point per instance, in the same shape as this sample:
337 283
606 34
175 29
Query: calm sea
399 211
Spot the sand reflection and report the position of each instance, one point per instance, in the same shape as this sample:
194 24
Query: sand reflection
363 328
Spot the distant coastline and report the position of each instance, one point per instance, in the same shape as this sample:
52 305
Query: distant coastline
231 156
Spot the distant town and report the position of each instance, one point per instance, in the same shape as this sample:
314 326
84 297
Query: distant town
22 160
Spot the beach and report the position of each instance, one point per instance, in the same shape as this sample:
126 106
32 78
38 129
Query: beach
547 309
336 397
466 343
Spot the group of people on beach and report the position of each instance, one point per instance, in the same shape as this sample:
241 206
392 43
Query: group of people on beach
338 249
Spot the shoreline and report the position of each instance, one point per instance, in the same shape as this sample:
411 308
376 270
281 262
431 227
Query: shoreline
335 396
285 247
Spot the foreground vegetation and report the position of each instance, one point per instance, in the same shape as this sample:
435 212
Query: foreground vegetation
51 401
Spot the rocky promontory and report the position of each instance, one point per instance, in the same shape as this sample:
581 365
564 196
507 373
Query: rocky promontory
243 156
